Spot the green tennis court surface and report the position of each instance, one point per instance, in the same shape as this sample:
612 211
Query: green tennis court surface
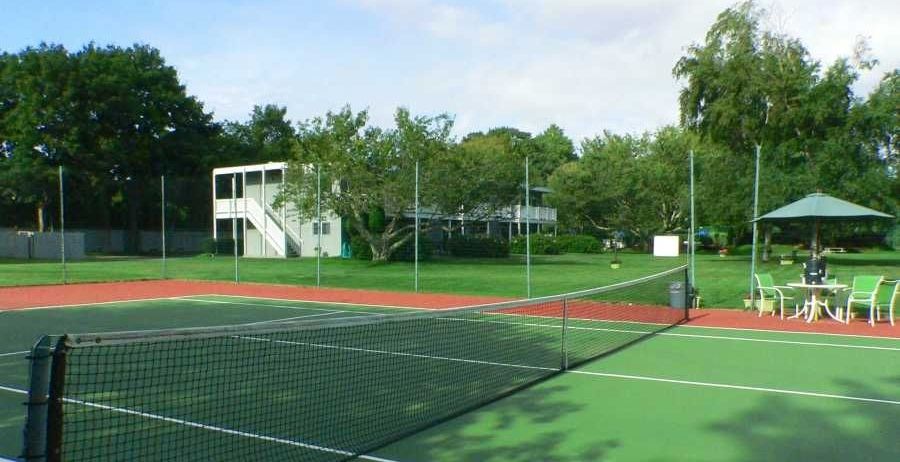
686 393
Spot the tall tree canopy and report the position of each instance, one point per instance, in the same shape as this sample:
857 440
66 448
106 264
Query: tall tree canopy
113 117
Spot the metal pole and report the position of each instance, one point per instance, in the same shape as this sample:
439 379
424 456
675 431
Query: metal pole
527 232
62 227
755 229
234 224
693 249
564 344
319 219
416 249
162 187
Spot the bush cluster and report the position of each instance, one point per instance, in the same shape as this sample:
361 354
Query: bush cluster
479 246
547 244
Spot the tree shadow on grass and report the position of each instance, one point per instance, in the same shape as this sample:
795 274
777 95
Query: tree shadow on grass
809 428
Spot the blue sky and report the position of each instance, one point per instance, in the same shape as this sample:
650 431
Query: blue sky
585 65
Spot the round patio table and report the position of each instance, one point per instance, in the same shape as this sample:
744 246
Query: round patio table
813 303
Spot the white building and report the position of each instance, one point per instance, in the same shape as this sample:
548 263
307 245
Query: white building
245 196
267 231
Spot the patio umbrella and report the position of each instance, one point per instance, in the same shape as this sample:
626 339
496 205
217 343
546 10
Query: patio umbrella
818 207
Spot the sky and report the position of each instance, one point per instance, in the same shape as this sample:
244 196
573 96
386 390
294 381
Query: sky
585 65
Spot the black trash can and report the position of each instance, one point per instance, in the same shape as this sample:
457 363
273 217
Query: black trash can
678 295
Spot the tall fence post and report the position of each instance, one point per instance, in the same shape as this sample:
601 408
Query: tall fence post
234 214
693 250
755 230
319 224
527 232
162 192
62 227
416 245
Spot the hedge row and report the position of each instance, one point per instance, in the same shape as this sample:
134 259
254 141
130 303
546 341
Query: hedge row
547 244
477 246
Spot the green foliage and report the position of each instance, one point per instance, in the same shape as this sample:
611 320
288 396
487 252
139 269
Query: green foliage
541 244
360 248
477 246
579 243
406 251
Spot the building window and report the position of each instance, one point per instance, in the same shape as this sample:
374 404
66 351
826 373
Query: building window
326 228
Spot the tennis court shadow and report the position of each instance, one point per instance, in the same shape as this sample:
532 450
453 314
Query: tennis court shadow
522 427
818 428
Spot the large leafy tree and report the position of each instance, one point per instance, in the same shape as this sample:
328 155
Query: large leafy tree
369 172
746 87
626 183
115 118
37 104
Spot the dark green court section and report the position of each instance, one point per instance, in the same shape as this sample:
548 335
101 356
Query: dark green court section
691 394
20 329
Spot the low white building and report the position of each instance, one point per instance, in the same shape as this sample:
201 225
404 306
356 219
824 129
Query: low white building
245 196
244 207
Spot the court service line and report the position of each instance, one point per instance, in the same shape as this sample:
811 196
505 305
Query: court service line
321 302
581 372
223 302
295 317
14 353
49 307
736 387
189 423
676 334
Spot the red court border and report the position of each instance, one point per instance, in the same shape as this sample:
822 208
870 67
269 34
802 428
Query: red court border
12 298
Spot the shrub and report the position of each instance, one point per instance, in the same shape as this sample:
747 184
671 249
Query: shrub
477 246
541 244
359 248
579 243
405 252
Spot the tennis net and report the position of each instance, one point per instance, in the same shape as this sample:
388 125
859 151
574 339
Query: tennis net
317 390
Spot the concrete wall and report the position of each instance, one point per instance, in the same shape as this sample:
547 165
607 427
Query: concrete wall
41 246
13 245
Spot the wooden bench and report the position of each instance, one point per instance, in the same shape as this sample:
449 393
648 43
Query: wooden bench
834 250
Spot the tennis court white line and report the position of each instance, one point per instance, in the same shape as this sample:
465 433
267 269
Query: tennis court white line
48 307
370 305
227 431
598 374
14 353
737 387
675 334
293 318
278 306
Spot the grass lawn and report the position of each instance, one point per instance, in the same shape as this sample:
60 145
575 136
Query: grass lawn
722 281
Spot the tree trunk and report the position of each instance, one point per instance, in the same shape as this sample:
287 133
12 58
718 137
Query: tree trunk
39 214
767 244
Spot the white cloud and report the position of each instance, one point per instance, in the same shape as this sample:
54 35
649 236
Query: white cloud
585 65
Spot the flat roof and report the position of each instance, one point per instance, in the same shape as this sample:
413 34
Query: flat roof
250 168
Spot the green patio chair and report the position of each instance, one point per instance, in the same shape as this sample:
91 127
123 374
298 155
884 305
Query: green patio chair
864 291
891 304
769 294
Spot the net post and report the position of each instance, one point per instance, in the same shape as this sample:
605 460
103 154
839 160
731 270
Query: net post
55 401
35 433
564 347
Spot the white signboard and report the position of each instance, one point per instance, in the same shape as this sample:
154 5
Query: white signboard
666 246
